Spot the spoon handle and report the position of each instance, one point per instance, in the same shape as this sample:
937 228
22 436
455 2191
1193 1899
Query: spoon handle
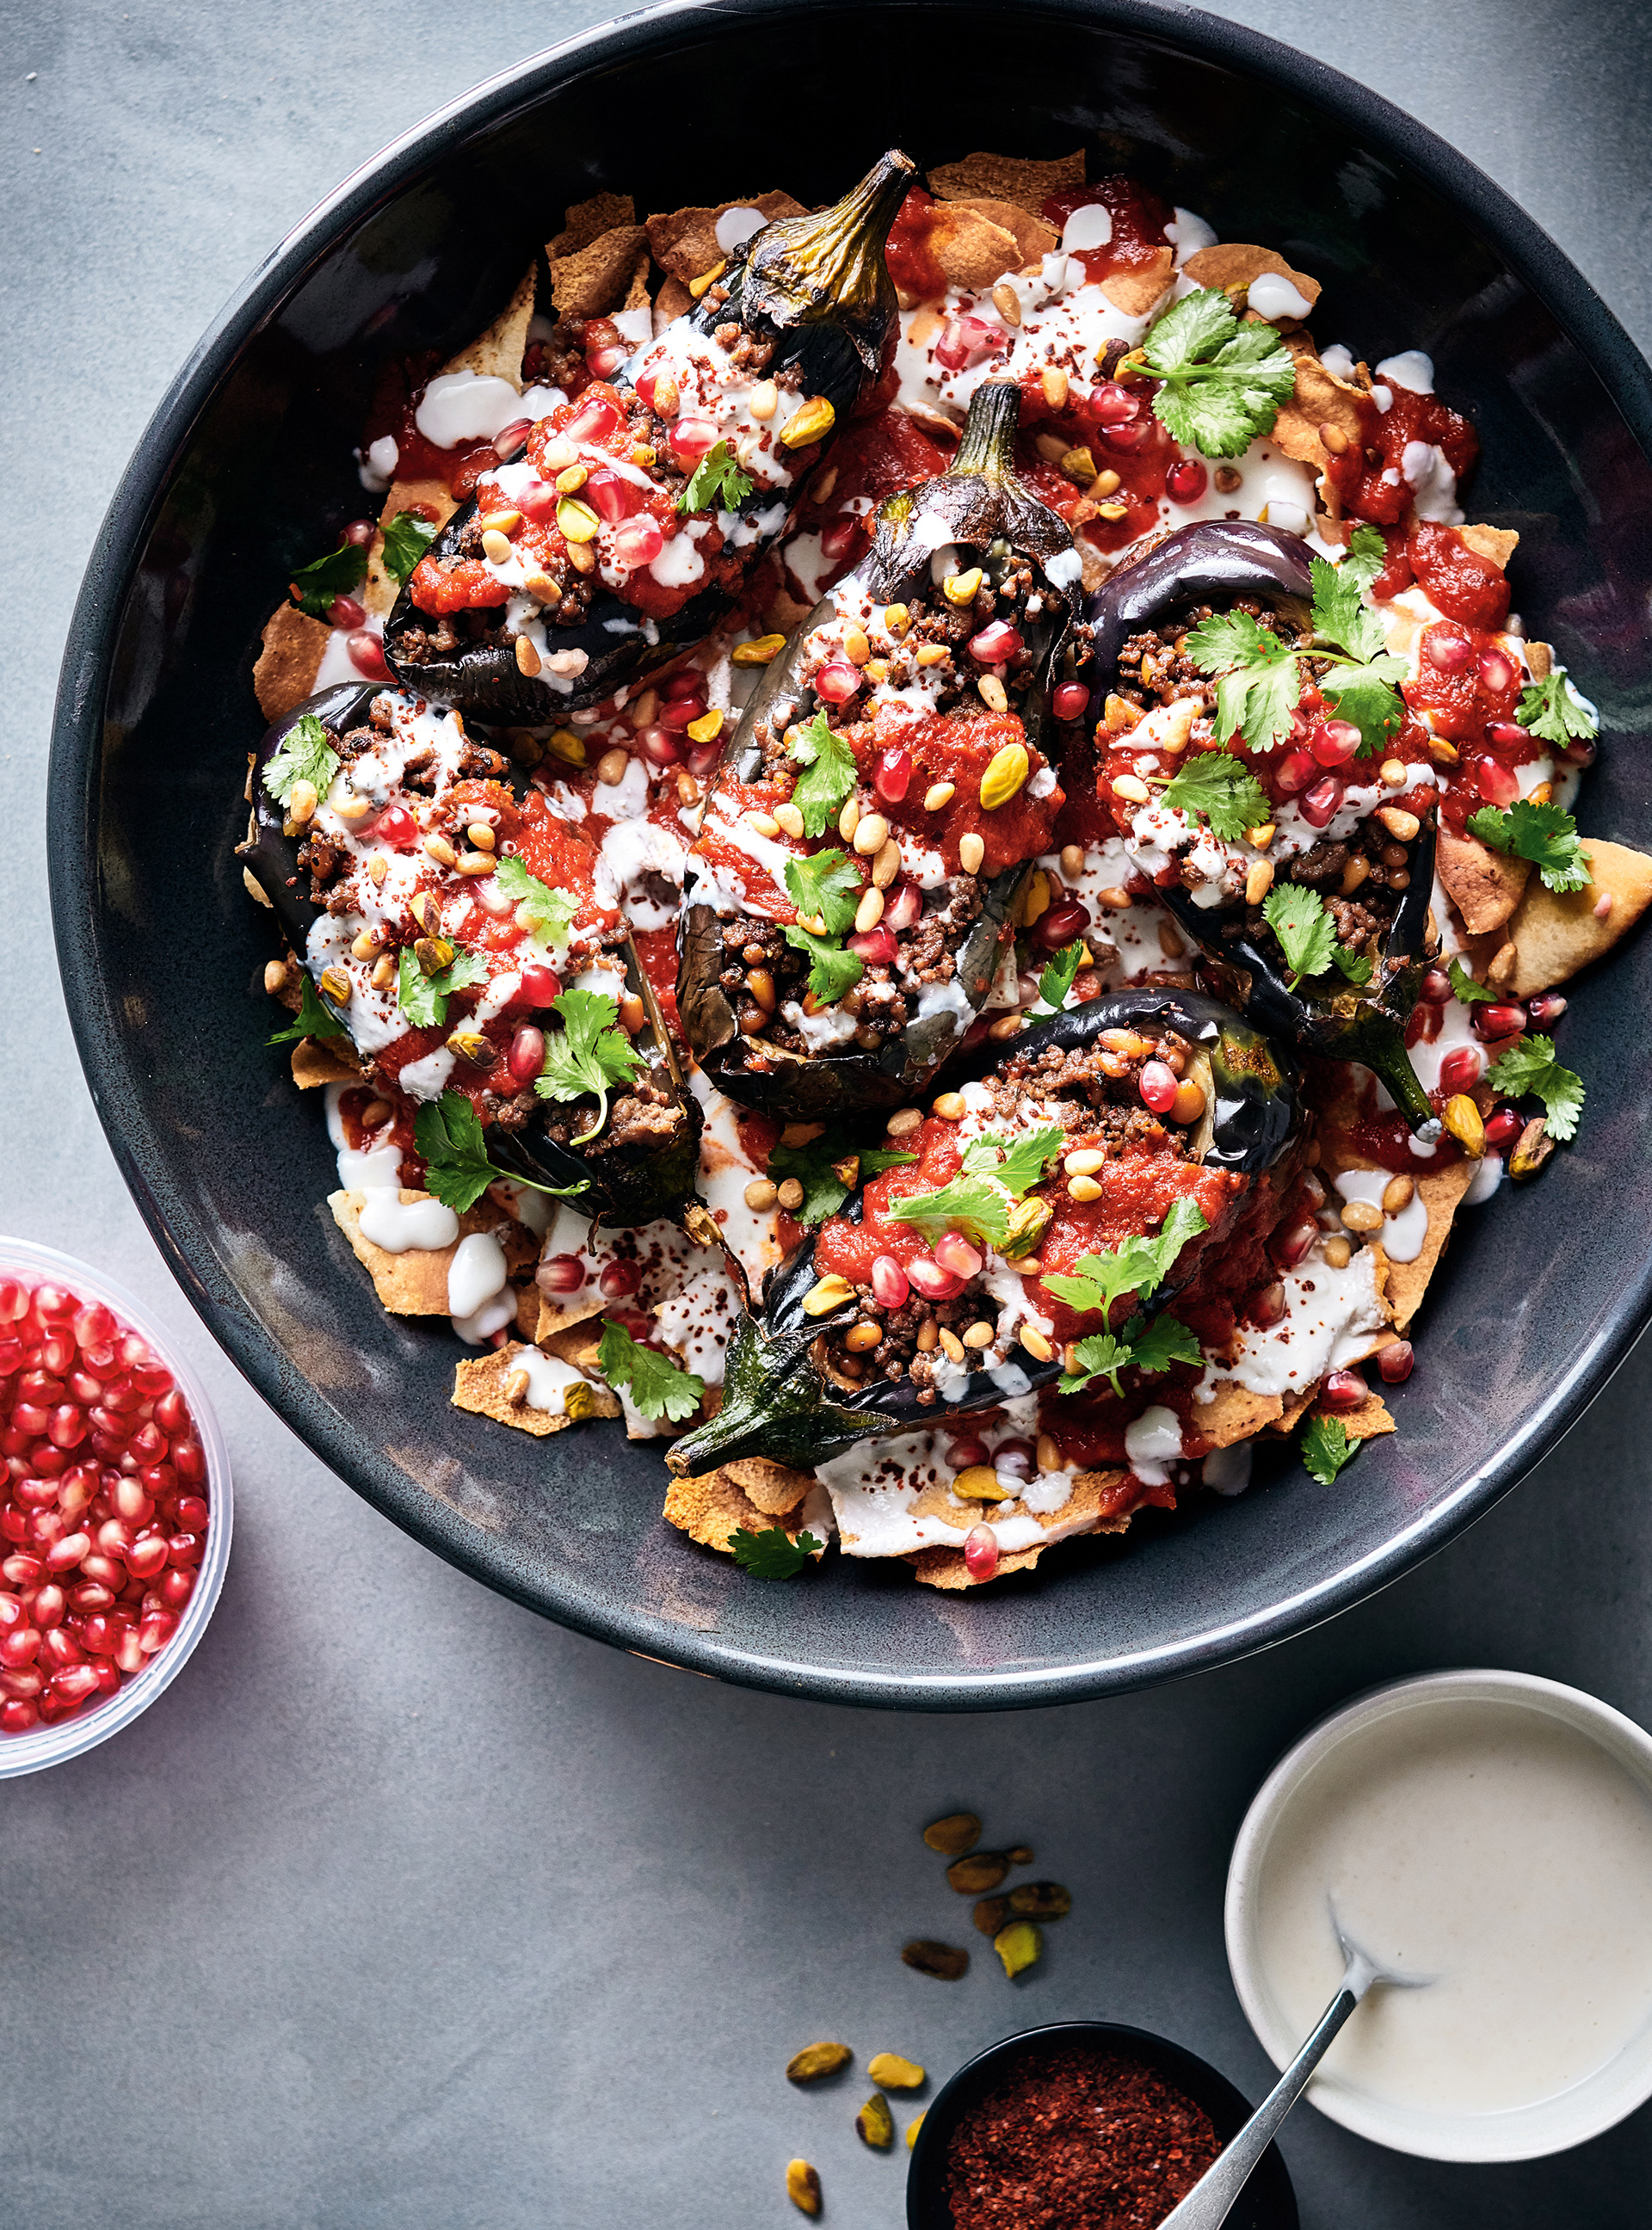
1212 2197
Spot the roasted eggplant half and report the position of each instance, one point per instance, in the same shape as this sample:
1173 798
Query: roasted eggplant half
1314 917
871 827
454 927
916 1302
624 531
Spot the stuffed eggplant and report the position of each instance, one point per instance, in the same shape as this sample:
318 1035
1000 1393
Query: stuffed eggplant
626 528
870 830
440 907
1150 1110
1293 845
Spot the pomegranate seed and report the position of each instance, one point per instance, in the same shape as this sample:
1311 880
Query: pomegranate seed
1060 925
129 1655
594 419
93 1325
107 1677
14 1300
85 1388
1496 783
100 1635
114 1538
20 1571
396 827
691 438
704 757
148 1444
638 542
610 497
1436 988
1498 672
48 1607
17 1717
1320 804
893 776
539 500
1343 1389
876 946
65 1555
995 643
1268 1307
659 746
1581 751
838 540
366 652
1545 1009
104 1569
1109 404
659 390
1287 1247
185 1549
29 1417
931 1281
838 681
146 1558
347 612
618 1279
1333 743
511 440
686 682
1016 1459
679 711
1186 482
980 1558
177 1586
19 1645
1127 438
90 1596
130 1503
1448 648
540 987
955 1254
1395 1362
902 906
76 1683
1158 1084
1295 771
966 341
526 1055
1460 1068
1071 701
37 1493
190 1461
890 1285
965 1451
1507 735
1495 1021
562 1274
26 1680
54 1305
11 1612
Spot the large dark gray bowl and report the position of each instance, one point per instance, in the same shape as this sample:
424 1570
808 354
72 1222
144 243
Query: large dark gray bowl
246 468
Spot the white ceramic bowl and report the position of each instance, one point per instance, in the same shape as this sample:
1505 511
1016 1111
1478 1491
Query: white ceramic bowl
49 1745
1522 2133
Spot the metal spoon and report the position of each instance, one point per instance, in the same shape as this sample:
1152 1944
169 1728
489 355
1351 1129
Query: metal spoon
1212 2197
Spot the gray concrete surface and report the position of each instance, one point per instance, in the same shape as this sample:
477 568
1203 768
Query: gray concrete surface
404 1910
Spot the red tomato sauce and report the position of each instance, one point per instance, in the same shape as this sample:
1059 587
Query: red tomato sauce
908 252
1456 579
1358 475
949 747
1138 215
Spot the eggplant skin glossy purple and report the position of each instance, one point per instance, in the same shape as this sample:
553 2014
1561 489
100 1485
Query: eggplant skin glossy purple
1208 563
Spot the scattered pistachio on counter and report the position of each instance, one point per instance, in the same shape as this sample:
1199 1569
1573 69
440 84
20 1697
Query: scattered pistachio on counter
1018 1946
991 1914
894 2073
913 2128
874 2124
1041 1901
802 2185
976 1875
1020 1854
815 2061
958 1833
943 1960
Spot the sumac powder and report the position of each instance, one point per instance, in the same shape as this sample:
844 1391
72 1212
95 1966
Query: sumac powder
1081 2140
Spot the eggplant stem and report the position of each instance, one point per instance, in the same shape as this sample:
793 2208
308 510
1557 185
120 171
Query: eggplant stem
987 444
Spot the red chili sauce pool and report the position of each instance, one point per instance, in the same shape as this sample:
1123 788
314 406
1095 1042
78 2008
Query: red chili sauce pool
104 1509
1083 2140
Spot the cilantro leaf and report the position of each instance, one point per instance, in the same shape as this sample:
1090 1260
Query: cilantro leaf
657 1385
818 1167
1325 1448
591 1054
1224 381
1543 835
772 1554
1017 1164
828 777
424 999
1341 616
406 539
1258 678
1136 1264
1356 966
553 910
448 1134
831 970
976 1205
716 484
1306 933
1366 696
824 886
1058 978
1141 1346
314 1019
1552 709
314 586
1531 1066
1364 557
1217 787
1465 986
306 755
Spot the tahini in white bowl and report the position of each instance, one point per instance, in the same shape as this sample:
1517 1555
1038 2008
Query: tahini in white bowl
1491 1830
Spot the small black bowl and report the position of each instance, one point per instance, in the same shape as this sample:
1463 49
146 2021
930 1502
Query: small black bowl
1266 2202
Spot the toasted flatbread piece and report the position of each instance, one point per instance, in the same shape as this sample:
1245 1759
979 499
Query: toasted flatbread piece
1095 1505
589 220
673 302
1440 1192
1033 239
1234 1415
289 661
711 1507
1497 545
416 1284
1319 399
1484 886
636 290
1231 264
435 505
597 278
497 353
325 1060
770 1486
971 250
1136 292
1539 656
1556 933
1292 1412
1016 178
1365 1422
479 1383
684 240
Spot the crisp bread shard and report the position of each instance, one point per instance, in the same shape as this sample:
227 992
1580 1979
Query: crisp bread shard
497 352
597 278
1484 886
1555 933
1234 1414
415 1284
1232 265
1102 1502
1367 1422
684 240
1018 178
1033 239
1441 1191
325 1060
712 1507
482 1382
1319 400
289 661
1137 292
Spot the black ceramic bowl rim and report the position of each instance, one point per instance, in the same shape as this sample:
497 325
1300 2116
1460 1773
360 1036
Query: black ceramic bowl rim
1269 2203
117 1088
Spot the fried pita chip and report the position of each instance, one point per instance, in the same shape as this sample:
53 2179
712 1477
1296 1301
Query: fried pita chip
1539 656
1234 1415
589 220
553 1318
435 505
1231 265
770 1486
497 353
1033 239
288 665
685 241
1319 400
1365 1422
1440 1192
595 278
636 292
1102 1502
325 1060
1016 178
1497 545
673 302
482 1384
711 1507
1136 292
1292 1412
416 1284
1484 886
971 250
1555 933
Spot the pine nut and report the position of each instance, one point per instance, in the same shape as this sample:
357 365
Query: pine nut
496 547
928 1337
972 851
611 767
1132 787
871 833
765 824
375 1112
274 975
1049 1456
1397 1194
791 1193
1259 882
1053 380
1361 1216
482 835
1036 1345
860 1337
1085 1163
937 794
301 802
1084 1189
932 653
688 788
384 973
474 863
1357 872
1107 483
378 866
763 401
886 865
1337 1254
643 709
364 947
992 692
869 913
789 819
760 984
1401 825
761 1193
1072 861
1393 773
951 1345
904 1122
850 819
950 1106
1008 1027
440 851
979 1335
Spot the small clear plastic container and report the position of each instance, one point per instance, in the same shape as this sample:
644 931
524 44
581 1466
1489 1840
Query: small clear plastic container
45 1745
